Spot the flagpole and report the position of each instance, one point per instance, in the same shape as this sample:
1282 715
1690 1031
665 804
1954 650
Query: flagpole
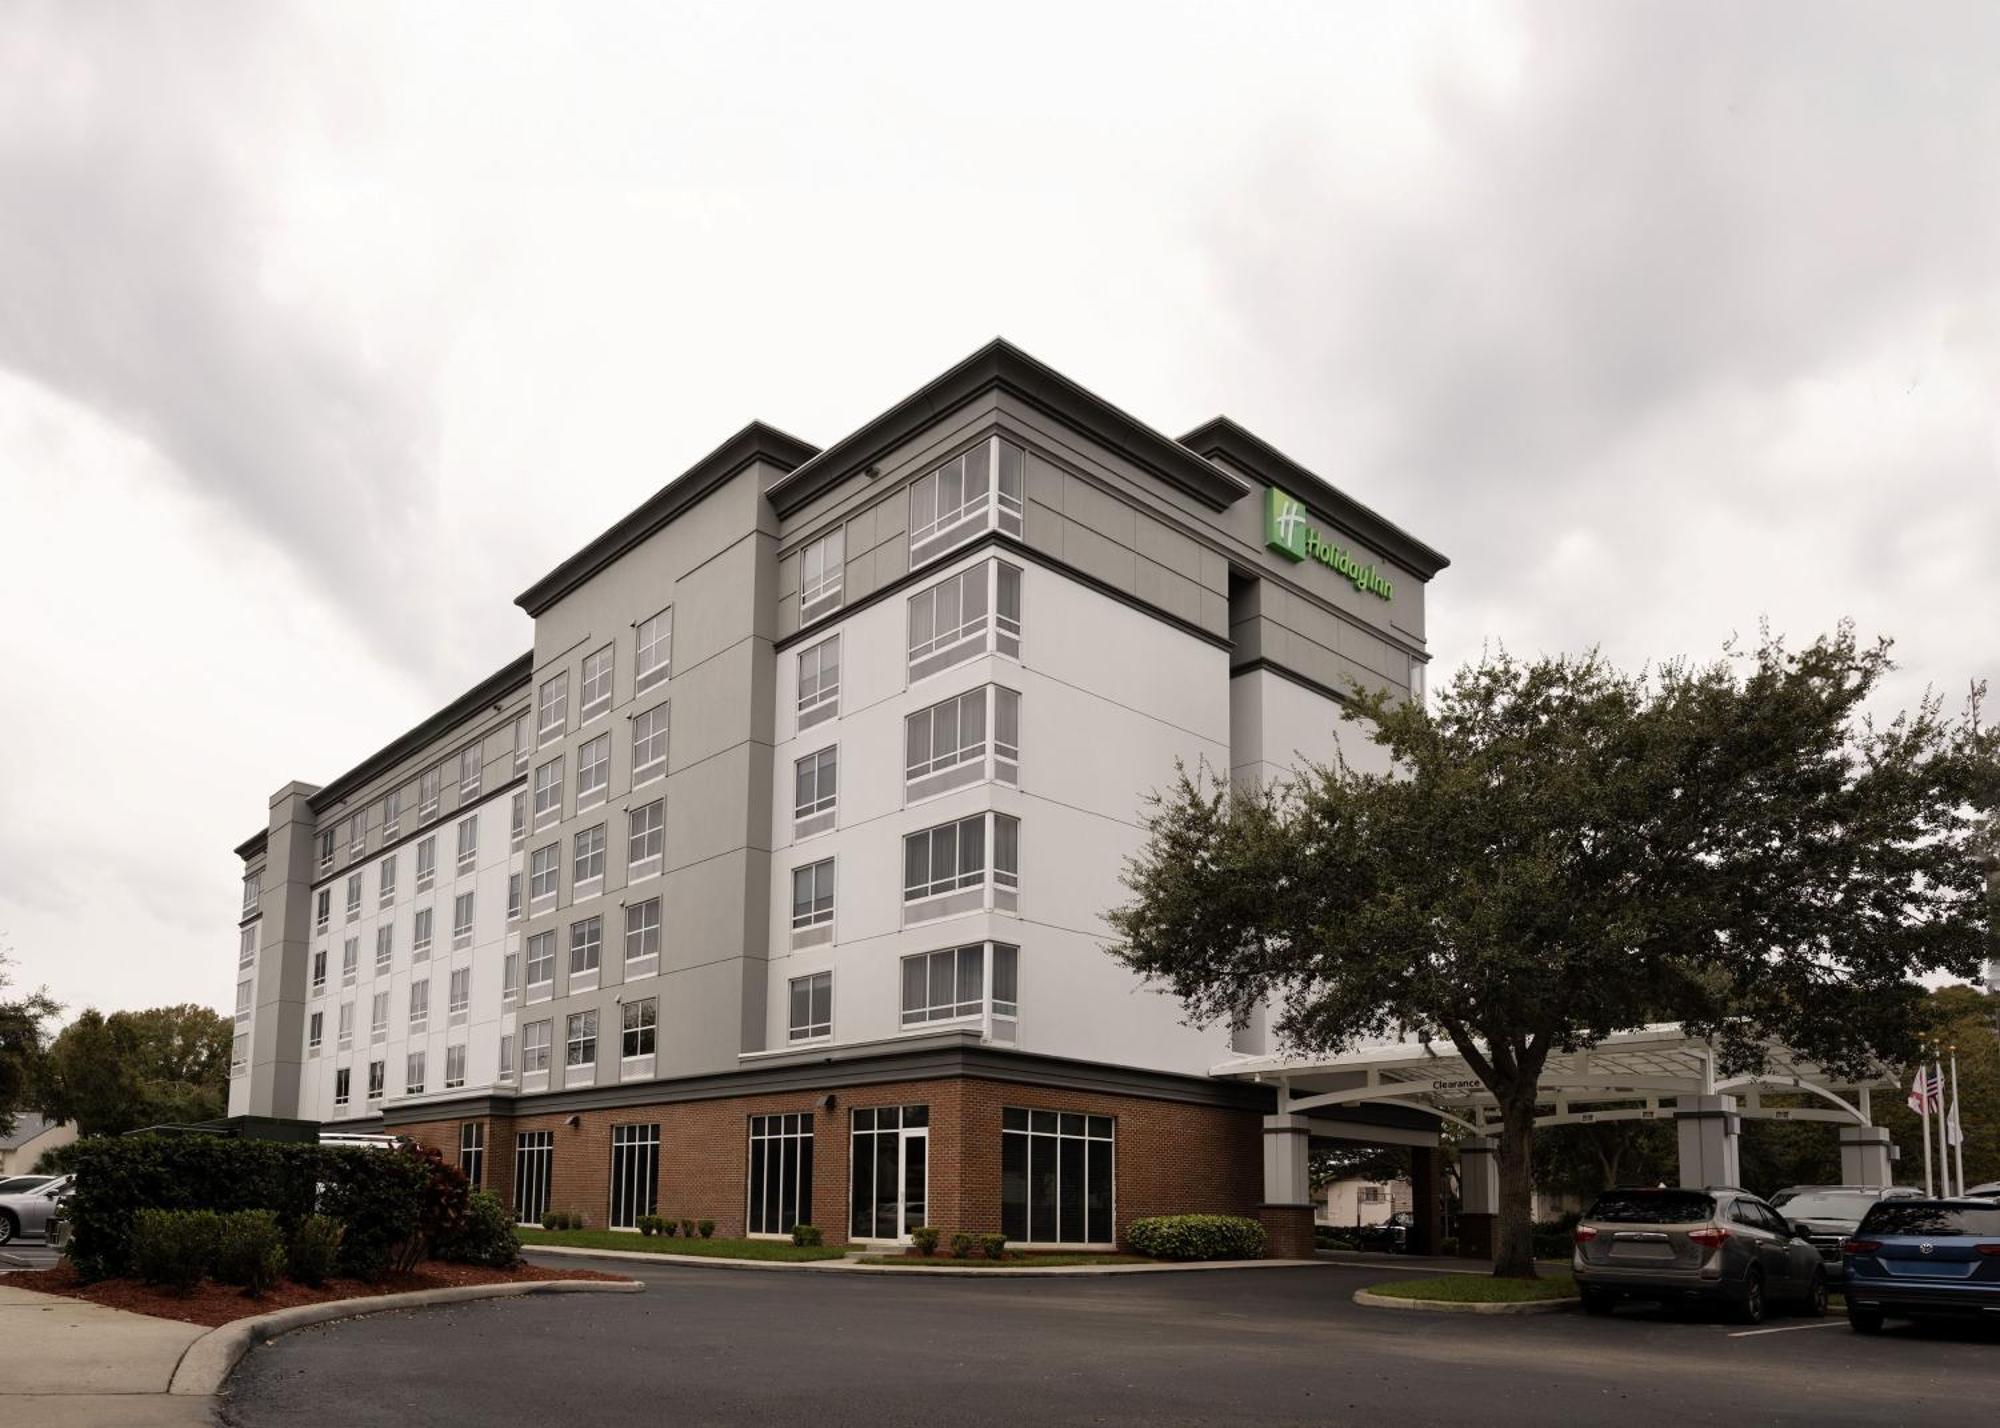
1955 1126
1921 1094
1944 1151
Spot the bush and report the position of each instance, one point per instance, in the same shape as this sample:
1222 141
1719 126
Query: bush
707 1228
486 1237
1448 1246
925 1239
174 1248
389 1202
648 1224
993 1246
962 1245
687 1229
667 1227
315 1250
804 1234
251 1250
1197 1237
1554 1239
552 1220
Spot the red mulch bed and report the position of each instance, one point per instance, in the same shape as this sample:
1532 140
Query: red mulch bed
214 1304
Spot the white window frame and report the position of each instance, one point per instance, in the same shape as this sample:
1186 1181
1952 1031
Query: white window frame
420 1005
647 864
385 947
245 999
587 861
385 882
821 701
931 648
536 1051
535 944
997 971
548 788
469 768
343 1083
427 862
985 888
524 742
977 481
422 929
813 1029
639 929
816 792
468 843
392 813
326 845
414 1074
989 759
464 916
357 834
315 1032
430 791
510 974
517 820
246 946
646 1032
653 642
345 1035
319 972
649 744
516 895
350 960
454 1066
378 1017
593 772
253 892
546 859
353 897
378 1078
552 708
323 910
586 952
594 693
460 994
813 925
579 1036
822 568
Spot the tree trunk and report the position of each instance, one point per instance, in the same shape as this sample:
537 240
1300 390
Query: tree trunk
1514 1243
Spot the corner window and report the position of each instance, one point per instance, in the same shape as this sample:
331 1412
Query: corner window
966 739
246 946
580 1047
552 708
594 697
649 745
965 866
642 937
820 568
645 838
243 1001
655 650
812 904
811 1006
1056 1171
251 892
974 492
239 1053
815 784
641 1026
963 616
593 772
819 683
951 985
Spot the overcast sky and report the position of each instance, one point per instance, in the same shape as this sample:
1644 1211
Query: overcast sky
324 332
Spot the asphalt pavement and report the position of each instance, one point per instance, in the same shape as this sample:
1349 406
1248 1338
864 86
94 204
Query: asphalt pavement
1277 1346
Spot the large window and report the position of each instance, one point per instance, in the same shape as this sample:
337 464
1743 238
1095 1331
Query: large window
534 1166
552 707
543 872
947 869
975 491
812 903
594 697
1056 1177
950 984
888 1170
819 682
548 791
472 1152
649 745
645 839
580 1047
587 868
541 960
641 1028
536 1039
781 1173
635 1174
586 946
820 568
969 737
593 772
414 1072
811 1006
975 612
642 937
815 786
655 650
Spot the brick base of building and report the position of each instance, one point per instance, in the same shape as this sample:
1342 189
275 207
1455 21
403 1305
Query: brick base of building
1170 1157
1288 1231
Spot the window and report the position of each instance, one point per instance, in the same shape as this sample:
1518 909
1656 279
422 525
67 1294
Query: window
593 771
420 1005
326 851
548 792
427 864
392 813
510 976
655 650
350 961
523 743
781 1173
1371 1195
315 1031
580 1048
357 835
1055 1177
468 844
340 1085
812 902
353 896
541 959
553 707
506 1072
246 946
641 1024
385 887
947 746
535 1037
428 789
385 947
534 1165
594 697
243 1001
945 868
517 820
819 682
319 971
251 893
413 1074
420 935
461 921
635 1174
887 1159
543 872
323 910
588 867
472 1152
649 745
642 936
815 784
586 946
346 1029
646 838
958 501
454 1067
513 897
941 986
468 773
239 1053
812 1006
820 566
378 1021
975 612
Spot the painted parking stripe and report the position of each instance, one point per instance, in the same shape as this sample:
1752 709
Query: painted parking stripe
1791 1328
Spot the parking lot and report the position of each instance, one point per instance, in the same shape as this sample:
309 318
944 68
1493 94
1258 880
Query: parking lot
1262 1346
27 1254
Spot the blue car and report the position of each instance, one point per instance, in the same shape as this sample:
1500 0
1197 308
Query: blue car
1923 1259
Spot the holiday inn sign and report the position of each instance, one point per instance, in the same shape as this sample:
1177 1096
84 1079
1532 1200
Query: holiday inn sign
1288 531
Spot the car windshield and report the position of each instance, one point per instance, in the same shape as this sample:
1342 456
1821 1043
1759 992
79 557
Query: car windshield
21 1184
1919 1217
1652 1207
1827 1204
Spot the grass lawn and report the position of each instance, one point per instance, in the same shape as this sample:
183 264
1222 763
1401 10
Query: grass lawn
1025 1261
662 1244
1479 1288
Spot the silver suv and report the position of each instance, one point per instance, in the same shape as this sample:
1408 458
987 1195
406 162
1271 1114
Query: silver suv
1719 1243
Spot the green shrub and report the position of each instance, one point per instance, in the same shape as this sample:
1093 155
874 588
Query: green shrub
1197 1237
687 1229
315 1250
387 1199
647 1224
993 1246
552 1220
804 1234
485 1237
668 1226
174 1248
1448 1246
251 1250
962 1245
707 1228
925 1239
1555 1239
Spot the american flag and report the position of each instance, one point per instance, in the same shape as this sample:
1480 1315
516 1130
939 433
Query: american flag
1927 1091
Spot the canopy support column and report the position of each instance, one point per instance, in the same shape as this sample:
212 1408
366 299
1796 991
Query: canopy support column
1865 1156
1287 1211
1708 1127
1479 1193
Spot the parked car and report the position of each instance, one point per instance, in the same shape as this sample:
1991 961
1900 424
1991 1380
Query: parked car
1828 1214
1392 1234
25 1214
1717 1244
16 1184
1924 1258
1989 1191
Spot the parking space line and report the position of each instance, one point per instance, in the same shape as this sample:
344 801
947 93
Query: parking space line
1791 1328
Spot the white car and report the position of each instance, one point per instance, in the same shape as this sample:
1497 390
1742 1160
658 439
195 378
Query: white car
26 1214
1989 1191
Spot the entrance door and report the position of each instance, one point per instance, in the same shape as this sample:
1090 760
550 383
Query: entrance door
890 1171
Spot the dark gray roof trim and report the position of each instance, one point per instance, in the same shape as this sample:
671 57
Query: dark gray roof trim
253 845
475 701
756 442
1233 443
1003 365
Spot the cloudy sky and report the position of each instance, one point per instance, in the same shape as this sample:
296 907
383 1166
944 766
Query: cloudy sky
325 331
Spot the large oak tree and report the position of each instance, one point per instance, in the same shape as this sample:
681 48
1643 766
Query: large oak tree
1565 850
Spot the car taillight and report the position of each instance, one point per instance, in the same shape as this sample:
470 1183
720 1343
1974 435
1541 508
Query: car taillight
1991 1251
1860 1246
1584 1234
1708 1236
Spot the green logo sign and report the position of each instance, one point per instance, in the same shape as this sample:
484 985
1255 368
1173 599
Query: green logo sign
1290 532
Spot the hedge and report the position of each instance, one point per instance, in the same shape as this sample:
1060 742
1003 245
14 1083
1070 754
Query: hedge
1197 1237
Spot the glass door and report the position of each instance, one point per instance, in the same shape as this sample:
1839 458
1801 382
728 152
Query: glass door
890 1172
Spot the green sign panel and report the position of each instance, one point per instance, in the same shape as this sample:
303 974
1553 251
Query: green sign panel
1289 531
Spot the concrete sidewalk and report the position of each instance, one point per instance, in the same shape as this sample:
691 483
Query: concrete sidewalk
70 1362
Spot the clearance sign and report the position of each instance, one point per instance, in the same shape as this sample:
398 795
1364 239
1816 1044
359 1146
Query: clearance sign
1288 531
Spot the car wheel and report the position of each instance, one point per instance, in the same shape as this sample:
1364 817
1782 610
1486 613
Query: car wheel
1750 1309
9 1226
1864 1321
1815 1304
1598 1301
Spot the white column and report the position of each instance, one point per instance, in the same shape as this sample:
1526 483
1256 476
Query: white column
1287 1169
1708 1128
1864 1156
1479 1175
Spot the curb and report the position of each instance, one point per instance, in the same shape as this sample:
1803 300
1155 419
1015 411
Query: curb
209 1360
1451 1306
706 1261
848 1266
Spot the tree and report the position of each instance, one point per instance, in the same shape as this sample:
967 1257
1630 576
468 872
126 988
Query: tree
113 1074
1970 1020
89 1076
21 1032
1566 851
